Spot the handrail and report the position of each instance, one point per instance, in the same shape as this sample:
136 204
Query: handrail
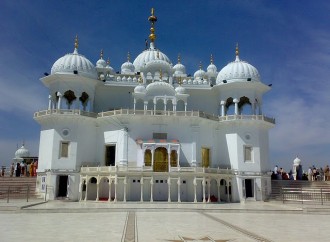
302 195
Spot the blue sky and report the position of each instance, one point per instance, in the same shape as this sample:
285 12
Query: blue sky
287 41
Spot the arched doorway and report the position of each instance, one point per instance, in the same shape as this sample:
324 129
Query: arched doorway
161 160
147 158
174 158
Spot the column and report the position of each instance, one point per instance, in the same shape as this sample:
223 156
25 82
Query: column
218 185
125 184
179 189
169 189
152 157
253 108
116 181
59 100
185 107
227 186
151 190
141 191
195 187
49 102
222 103
134 105
169 158
97 188
110 182
209 190
203 184
236 106
86 188
81 184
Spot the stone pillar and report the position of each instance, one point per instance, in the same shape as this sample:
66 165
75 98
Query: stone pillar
152 157
141 191
236 106
195 187
209 190
227 185
97 189
253 108
110 182
185 107
116 181
125 184
59 100
86 189
218 185
169 159
151 190
134 105
81 184
203 184
222 103
49 102
169 189
179 189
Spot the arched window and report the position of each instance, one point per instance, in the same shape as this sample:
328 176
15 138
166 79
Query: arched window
70 97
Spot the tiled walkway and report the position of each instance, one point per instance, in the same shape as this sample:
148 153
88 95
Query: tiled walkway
151 222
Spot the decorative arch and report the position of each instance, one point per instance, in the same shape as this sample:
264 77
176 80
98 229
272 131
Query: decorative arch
244 105
180 105
147 157
174 158
84 98
70 97
161 160
230 106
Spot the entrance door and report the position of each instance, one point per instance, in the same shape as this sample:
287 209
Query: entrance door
249 188
62 186
110 155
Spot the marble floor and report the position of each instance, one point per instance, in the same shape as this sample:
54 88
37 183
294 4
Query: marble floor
151 222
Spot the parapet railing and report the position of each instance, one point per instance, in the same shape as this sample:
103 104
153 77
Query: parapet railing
306 195
9 192
199 114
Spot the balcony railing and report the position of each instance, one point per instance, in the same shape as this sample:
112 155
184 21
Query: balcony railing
132 112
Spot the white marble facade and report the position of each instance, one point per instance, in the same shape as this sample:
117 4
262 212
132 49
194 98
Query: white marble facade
151 132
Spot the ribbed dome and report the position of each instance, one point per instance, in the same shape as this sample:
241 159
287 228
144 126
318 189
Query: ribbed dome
74 62
211 68
160 89
147 56
199 74
127 68
22 152
179 69
180 90
140 89
237 71
156 66
101 63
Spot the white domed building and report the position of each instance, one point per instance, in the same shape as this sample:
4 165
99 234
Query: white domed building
152 133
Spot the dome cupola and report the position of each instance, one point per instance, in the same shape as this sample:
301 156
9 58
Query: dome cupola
200 74
74 62
22 152
101 63
179 69
237 71
211 69
127 67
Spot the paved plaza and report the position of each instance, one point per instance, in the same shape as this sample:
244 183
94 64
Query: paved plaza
149 222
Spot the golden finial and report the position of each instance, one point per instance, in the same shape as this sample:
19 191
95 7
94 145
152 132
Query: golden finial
101 54
128 56
179 58
152 19
76 42
237 50
200 65
211 59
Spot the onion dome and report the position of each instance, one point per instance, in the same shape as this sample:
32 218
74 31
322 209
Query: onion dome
156 66
297 161
160 89
109 69
101 63
151 53
22 152
127 67
180 89
200 73
238 71
74 62
212 69
179 69
140 88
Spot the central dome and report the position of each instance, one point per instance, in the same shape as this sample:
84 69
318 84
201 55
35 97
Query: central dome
147 56
160 89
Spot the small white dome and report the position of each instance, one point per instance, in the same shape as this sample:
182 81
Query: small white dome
101 63
154 66
211 68
127 68
147 56
140 89
74 62
179 69
199 74
160 89
180 90
22 152
238 71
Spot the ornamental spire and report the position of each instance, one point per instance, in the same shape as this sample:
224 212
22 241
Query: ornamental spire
128 56
76 42
200 65
101 54
108 61
237 52
179 58
152 19
211 59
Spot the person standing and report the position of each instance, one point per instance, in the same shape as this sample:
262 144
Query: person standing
12 169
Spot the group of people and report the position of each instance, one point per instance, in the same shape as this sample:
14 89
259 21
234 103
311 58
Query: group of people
23 169
318 174
281 174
